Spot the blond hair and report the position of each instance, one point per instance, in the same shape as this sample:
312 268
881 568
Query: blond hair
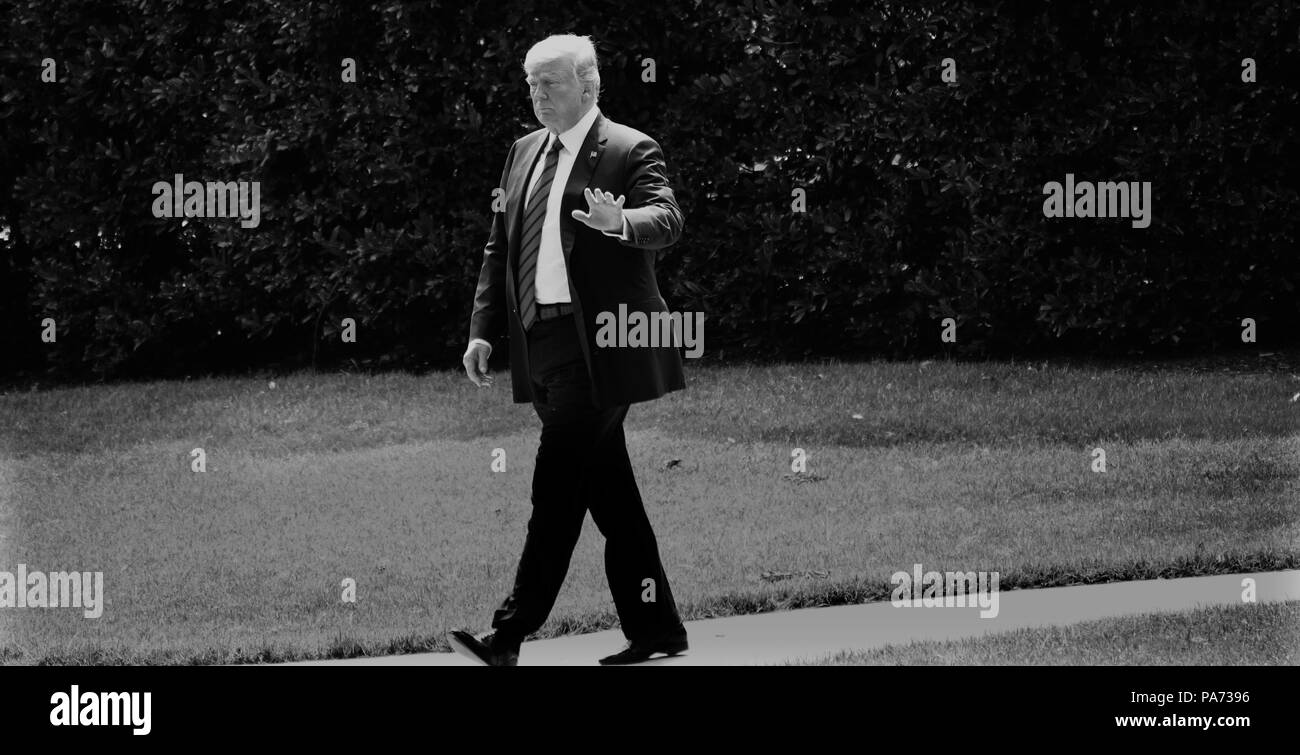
577 49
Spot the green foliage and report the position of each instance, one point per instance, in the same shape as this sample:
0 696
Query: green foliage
924 199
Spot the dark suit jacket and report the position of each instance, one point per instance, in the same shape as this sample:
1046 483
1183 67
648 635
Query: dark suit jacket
603 271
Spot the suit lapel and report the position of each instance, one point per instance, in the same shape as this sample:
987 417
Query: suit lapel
584 166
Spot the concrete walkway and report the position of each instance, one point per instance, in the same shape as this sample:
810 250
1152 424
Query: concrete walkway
815 633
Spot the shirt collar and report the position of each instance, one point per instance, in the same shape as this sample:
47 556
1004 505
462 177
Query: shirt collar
574 137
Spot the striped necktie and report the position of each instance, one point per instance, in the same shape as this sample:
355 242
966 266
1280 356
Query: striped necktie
534 216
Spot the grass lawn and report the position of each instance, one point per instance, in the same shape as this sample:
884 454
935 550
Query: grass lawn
1264 634
388 480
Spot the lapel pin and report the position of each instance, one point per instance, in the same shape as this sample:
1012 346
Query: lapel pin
593 154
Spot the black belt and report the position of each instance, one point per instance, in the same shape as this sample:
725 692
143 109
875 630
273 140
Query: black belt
552 311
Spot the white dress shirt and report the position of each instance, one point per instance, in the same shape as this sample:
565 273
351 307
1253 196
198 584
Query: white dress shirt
551 278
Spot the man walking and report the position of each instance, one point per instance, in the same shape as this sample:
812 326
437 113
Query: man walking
549 269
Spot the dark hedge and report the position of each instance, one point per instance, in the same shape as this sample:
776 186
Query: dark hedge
924 199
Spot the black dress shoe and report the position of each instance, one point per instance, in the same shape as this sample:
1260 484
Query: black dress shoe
487 648
638 652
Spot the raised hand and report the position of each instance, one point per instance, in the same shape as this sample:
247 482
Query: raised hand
606 212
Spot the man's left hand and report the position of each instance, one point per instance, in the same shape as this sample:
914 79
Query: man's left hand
606 212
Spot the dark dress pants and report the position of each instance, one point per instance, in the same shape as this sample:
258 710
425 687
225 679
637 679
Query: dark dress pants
582 464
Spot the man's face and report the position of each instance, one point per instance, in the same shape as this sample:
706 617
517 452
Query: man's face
558 100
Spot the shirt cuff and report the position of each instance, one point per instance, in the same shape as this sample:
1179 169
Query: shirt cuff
620 236
473 341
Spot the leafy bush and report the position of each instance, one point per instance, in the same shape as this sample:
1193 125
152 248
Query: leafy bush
923 199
